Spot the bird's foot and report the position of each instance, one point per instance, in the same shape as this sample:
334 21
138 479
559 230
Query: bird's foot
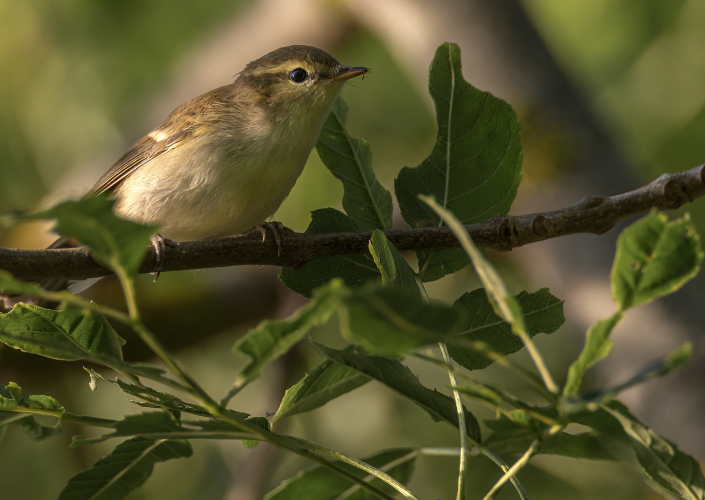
159 242
276 228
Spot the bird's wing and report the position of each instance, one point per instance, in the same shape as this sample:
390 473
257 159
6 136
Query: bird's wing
184 122
151 146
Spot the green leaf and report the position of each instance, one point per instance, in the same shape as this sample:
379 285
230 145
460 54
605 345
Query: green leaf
114 242
503 304
11 398
260 422
366 202
656 369
272 339
542 312
320 483
12 403
607 430
662 462
157 399
128 466
597 346
11 286
515 431
68 335
153 422
355 270
654 257
509 421
400 379
396 272
389 322
326 382
475 166
585 446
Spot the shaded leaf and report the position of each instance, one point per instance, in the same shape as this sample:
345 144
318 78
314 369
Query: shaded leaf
157 399
128 466
597 346
400 379
365 201
586 445
272 339
154 422
326 382
355 270
658 368
389 322
475 166
654 257
607 429
68 335
542 312
662 462
320 483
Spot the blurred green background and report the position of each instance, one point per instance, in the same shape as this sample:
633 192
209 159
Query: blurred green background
82 80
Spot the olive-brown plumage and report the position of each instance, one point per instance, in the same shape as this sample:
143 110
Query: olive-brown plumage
224 161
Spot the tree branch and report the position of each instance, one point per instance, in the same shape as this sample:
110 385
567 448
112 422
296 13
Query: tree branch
592 214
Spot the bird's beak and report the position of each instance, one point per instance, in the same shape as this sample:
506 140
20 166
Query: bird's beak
345 72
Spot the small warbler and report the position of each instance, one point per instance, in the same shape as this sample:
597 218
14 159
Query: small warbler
224 162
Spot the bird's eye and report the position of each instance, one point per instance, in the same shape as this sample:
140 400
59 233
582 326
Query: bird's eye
298 75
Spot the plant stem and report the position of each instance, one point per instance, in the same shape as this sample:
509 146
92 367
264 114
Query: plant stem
515 482
518 465
462 468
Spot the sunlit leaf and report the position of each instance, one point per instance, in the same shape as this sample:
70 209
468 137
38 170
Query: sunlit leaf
68 335
114 242
654 257
395 270
475 166
597 346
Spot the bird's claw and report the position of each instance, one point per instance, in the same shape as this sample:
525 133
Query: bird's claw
277 228
159 242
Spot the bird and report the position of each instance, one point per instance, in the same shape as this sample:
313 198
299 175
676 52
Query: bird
223 162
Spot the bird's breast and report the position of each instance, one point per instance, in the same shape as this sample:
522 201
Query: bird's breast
211 188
